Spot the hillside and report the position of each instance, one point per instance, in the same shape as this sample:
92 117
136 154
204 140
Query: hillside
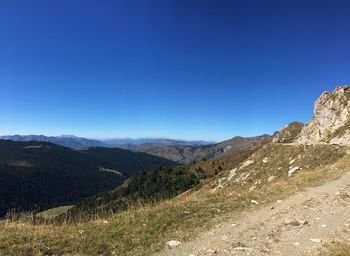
219 203
154 185
41 175
189 154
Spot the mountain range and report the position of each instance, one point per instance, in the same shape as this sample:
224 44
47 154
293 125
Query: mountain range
75 142
186 154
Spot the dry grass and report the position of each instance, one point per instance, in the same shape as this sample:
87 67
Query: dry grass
336 248
144 230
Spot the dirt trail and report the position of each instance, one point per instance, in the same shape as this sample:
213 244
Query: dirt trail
298 225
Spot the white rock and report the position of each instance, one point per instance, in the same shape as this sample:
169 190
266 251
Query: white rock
265 160
294 170
271 178
246 164
296 243
173 243
252 188
232 174
254 202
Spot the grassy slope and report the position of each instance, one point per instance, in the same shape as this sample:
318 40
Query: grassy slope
144 229
51 213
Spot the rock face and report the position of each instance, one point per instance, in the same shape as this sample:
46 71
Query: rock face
288 133
331 120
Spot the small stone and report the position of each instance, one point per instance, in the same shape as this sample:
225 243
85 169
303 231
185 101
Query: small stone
296 243
271 178
315 240
252 188
293 170
323 226
254 202
173 243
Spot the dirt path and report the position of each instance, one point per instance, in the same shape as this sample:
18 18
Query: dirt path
298 225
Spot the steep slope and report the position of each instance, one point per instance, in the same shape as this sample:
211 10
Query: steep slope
190 154
41 175
331 120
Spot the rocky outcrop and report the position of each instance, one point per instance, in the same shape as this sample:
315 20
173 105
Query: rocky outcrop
331 120
288 133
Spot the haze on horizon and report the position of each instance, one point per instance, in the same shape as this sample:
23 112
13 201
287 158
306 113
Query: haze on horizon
195 70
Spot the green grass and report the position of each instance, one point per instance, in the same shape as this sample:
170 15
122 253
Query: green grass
144 229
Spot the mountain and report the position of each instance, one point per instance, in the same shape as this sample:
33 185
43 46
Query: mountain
40 175
75 142
154 141
288 132
188 154
65 140
331 120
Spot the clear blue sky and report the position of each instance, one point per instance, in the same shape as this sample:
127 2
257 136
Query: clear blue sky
191 69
